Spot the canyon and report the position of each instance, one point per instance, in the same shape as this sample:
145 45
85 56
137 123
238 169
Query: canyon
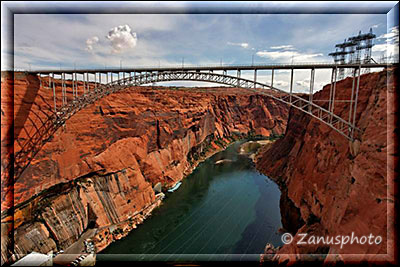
98 170
331 186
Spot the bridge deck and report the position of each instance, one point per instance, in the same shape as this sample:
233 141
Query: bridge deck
216 68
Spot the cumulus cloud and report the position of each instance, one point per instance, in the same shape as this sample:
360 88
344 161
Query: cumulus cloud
286 56
392 34
243 45
121 38
391 47
91 42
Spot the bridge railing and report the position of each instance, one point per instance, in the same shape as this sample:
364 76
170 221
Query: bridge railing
207 66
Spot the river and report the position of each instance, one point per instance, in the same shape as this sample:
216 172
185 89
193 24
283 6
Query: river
225 211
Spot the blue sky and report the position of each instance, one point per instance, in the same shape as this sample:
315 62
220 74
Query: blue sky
54 40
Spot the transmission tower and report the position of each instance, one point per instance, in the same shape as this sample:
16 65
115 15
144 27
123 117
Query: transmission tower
353 48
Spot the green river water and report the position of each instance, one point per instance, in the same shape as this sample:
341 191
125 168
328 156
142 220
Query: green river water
223 212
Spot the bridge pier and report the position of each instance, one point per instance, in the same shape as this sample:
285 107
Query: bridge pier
356 100
87 83
352 95
76 85
238 75
291 87
272 78
333 94
311 89
62 89
73 86
54 94
255 78
84 84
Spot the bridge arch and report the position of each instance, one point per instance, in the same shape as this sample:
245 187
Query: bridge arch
294 100
45 132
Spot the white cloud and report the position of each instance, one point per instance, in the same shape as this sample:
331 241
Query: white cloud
284 47
394 32
91 42
390 48
121 38
304 83
243 45
287 56
281 83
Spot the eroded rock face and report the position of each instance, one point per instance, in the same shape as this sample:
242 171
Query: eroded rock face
100 167
338 187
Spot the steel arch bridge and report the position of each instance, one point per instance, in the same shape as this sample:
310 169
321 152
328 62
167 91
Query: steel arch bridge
83 96
337 123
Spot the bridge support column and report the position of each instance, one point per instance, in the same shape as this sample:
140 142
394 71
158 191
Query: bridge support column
255 78
333 93
119 82
65 88
87 82
76 85
84 84
49 81
54 95
73 86
238 75
291 87
272 78
352 95
311 90
330 92
62 89
355 102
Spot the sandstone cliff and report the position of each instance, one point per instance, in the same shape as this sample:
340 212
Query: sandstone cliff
99 168
331 186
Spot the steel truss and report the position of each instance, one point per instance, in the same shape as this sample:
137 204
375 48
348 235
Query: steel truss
83 95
